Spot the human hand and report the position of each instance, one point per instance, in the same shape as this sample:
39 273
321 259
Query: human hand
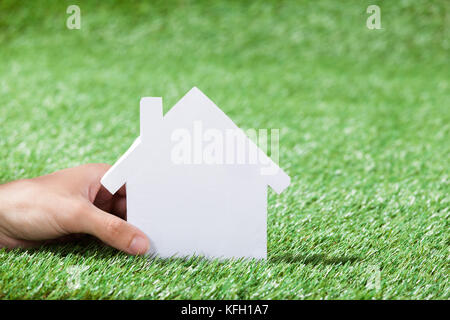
70 201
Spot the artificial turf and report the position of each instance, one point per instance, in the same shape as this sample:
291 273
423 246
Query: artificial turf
364 119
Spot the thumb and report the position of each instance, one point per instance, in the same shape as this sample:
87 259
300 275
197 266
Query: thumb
116 232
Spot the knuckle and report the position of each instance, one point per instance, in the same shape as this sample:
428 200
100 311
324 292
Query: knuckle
95 170
114 226
98 166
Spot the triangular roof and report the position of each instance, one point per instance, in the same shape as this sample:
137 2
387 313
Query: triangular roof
116 175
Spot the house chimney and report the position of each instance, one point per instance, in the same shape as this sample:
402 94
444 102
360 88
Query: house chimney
151 117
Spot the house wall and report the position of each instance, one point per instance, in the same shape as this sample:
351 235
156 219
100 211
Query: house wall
213 211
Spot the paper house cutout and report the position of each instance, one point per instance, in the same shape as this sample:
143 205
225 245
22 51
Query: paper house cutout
190 188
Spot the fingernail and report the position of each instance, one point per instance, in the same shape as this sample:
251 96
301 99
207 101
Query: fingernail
138 245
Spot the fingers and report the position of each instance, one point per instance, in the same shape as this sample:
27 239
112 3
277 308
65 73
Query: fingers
102 198
93 173
115 204
115 232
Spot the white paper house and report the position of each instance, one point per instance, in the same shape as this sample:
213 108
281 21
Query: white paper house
193 185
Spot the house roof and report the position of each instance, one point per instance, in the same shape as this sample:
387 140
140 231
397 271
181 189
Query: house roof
195 105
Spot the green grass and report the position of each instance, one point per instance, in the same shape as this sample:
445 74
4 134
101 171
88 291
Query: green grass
364 118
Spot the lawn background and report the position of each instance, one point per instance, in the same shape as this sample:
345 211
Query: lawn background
364 119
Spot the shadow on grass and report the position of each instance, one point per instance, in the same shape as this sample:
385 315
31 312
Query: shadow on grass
312 259
79 246
87 246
